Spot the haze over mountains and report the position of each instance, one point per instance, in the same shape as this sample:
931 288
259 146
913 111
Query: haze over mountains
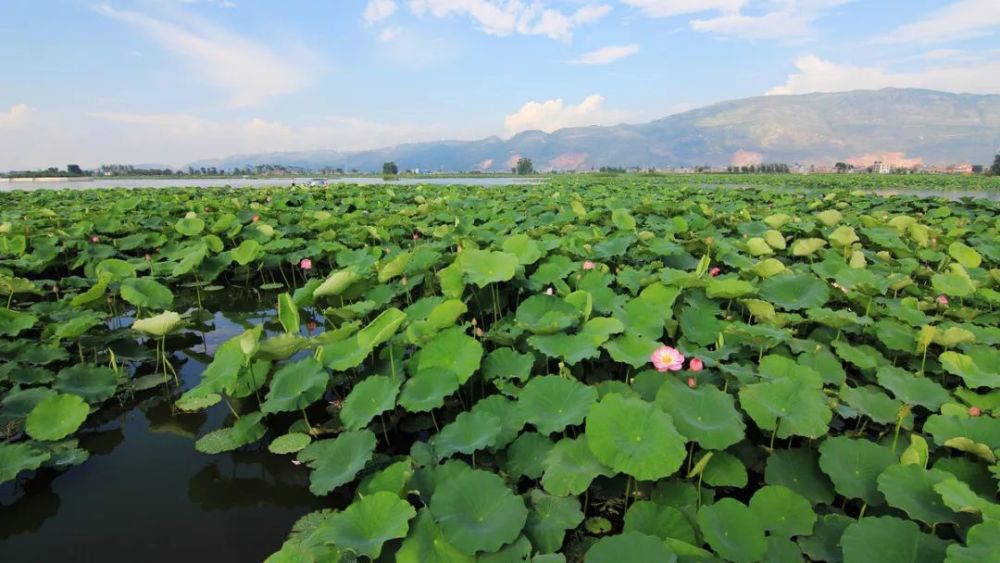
905 127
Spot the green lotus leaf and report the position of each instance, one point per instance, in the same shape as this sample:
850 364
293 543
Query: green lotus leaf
787 406
910 488
664 522
795 291
630 546
296 386
631 348
573 348
777 220
958 496
521 245
525 456
723 469
843 237
427 390
965 254
445 314
798 469
634 437
189 226
768 268
509 413
483 267
18 402
732 530
871 402
854 466
368 523
94 383
477 512
757 246
469 432
336 283
830 217
953 336
807 246
546 314
704 414
893 539
426 544
981 544
623 219
507 363
549 519
248 251
824 543
288 313
77 326
551 403
381 329
983 429
337 461
729 288
952 285
394 267
117 270
13 323
863 356
159 325
895 335
289 443
56 416
394 479
15 458
917 453
570 467
783 512
369 398
147 293
452 350
246 430
969 370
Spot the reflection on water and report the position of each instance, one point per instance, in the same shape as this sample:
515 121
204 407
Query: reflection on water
146 494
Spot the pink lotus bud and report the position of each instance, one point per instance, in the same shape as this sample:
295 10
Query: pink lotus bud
588 265
255 218
715 271
95 238
942 300
306 264
974 411
695 365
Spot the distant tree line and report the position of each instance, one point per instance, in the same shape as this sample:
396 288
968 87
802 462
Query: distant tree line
775 168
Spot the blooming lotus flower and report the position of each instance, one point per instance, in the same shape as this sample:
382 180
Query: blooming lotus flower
942 300
666 358
692 383
974 411
95 238
695 365
715 271
306 264
255 218
588 265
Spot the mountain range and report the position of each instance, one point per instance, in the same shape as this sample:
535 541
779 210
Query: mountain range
904 127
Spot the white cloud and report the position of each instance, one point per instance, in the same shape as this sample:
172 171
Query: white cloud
507 17
606 55
378 10
247 70
18 114
669 8
555 114
389 34
818 75
219 3
963 19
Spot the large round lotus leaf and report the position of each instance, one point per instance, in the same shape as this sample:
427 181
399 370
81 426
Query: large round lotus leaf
160 325
337 461
115 269
630 546
453 350
147 293
791 406
890 539
795 291
732 530
394 267
525 456
295 386
910 488
783 512
507 363
380 329
549 519
426 390
289 443
15 458
483 267
798 469
369 398
843 236
394 479
871 402
246 430
824 543
631 348
427 544
573 348
768 267
965 254
336 283
807 246
912 389
570 467
56 417
552 403
511 418
830 217
524 247
77 326
952 285
94 383
729 288
664 522
247 252
757 246
704 414
17 403
546 314
13 323
982 429
634 437
854 466
370 522
469 432
981 544
189 226
969 370
477 512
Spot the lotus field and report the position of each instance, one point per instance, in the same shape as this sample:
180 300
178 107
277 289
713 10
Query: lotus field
603 370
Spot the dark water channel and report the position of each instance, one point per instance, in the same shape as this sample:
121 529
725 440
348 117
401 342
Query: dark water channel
146 494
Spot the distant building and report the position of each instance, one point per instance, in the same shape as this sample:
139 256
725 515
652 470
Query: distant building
881 167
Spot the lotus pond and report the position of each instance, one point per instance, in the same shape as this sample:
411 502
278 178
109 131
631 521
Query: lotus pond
598 369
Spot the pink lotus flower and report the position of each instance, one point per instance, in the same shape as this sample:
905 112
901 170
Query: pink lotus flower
715 271
306 264
695 365
666 358
255 218
95 238
692 383
974 411
588 265
942 300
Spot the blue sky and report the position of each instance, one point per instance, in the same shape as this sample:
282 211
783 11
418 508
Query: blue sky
170 81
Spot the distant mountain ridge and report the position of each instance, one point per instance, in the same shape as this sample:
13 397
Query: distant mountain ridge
899 126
